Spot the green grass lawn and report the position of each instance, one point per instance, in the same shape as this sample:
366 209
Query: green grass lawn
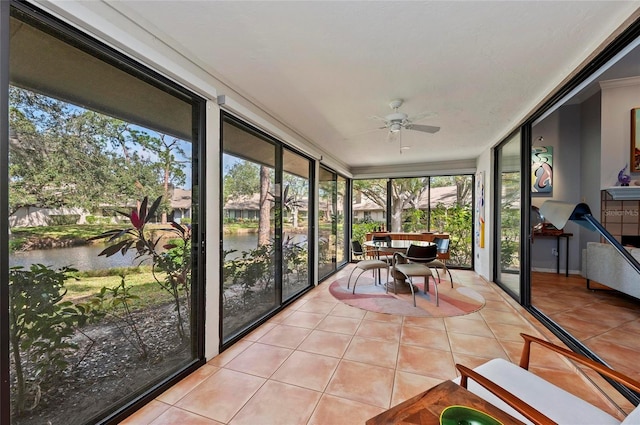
142 284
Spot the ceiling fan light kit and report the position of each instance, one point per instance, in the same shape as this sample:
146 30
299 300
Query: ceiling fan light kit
397 121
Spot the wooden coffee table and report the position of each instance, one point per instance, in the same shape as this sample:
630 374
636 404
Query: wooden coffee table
425 408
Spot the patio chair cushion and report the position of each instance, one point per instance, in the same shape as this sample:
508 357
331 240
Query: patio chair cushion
554 402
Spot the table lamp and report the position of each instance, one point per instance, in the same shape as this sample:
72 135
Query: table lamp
558 213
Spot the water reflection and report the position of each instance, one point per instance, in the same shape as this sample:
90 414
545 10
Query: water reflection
80 257
86 257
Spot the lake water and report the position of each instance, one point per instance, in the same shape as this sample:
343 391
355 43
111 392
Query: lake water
86 257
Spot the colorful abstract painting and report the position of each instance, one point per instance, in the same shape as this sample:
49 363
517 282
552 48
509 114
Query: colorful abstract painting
480 209
542 169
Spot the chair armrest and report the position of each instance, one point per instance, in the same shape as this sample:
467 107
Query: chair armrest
399 257
523 408
579 358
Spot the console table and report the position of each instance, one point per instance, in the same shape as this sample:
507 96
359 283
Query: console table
557 235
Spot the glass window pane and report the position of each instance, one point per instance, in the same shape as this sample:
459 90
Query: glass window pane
369 207
341 252
115 313
248 249
295 204
508 215
327 222
451 211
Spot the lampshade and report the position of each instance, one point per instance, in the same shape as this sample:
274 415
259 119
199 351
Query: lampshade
558 213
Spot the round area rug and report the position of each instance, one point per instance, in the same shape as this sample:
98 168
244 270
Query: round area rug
456 301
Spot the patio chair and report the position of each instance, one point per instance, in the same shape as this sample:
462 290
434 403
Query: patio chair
414 263
356 250
532 399
443 248
381 254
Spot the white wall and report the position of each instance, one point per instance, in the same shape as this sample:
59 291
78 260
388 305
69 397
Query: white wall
590 154
618 98
562 131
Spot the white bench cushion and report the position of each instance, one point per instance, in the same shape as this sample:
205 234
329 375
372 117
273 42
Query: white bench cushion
556 403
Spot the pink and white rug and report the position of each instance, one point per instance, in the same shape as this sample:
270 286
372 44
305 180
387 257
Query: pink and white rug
456 301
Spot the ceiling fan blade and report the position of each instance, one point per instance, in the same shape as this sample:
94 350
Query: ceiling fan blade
424 128
422 116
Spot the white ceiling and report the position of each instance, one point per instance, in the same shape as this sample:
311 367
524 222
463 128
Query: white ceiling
324 68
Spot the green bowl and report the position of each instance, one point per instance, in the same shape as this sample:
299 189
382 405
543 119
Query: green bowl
462 415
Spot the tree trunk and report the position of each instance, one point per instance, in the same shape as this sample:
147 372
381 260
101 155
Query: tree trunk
294 213
265 208
396 217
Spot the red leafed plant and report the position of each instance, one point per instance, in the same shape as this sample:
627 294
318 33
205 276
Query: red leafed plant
171 267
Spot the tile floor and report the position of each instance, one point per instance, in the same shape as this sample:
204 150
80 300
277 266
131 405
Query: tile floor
607 322
323 362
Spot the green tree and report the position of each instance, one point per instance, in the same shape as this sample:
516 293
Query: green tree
65 156
53 161
240 179
245 178
170 161
405 194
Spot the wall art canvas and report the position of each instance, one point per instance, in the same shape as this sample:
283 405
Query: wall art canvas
542 169
480 209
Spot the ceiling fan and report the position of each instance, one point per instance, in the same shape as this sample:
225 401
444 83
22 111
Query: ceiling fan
397 121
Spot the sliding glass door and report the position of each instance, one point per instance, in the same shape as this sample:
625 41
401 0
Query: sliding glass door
507 215
266 231
104 285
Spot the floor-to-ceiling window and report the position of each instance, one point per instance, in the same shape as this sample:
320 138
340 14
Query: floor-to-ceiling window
581 146
104 286
332 198
297 217
266 231
507 215
418 204
369 207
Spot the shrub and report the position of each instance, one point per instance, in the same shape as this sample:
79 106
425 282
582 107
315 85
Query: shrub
40 329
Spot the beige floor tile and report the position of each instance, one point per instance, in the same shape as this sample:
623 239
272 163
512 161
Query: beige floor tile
363 383
175 416
260 360
325 343
508 332
230 353
423 337
307 370
333 410
187 384
463 325
304 319
383 331
278 403
343 325
259 333
500 316
318 306
222 395
407 385
476 346
426 361
425 322
285 336
344 310
373 352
